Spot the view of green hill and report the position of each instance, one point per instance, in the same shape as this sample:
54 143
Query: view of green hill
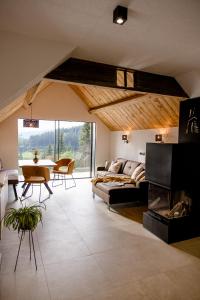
73 142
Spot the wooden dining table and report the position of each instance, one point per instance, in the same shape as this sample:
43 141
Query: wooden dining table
41 163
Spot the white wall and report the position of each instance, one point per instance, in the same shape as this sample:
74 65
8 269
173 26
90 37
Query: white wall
57 102
191 83
137 142
24 61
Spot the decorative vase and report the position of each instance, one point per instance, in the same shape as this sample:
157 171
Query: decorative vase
35 159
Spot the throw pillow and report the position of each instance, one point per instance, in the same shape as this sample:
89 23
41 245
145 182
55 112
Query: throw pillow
137 171
114 167
142 179
140 176
107 165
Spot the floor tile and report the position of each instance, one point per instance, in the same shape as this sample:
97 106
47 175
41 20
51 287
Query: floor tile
85 251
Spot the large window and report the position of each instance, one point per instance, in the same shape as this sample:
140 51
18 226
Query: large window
59 139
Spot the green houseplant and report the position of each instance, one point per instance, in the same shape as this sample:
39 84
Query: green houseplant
23 218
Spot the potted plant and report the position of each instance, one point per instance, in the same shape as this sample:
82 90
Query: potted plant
23 218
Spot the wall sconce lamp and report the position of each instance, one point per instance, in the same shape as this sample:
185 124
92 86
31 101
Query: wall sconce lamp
31 123
158 138
120 15
125 138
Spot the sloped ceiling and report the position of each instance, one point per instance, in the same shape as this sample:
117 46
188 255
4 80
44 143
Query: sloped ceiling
117 109
127 110
159 36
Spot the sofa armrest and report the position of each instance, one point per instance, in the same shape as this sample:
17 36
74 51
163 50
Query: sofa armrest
144 185
101 169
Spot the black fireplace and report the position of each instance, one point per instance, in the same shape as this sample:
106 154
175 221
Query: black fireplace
174 197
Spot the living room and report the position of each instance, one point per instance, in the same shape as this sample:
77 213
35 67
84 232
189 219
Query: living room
82 242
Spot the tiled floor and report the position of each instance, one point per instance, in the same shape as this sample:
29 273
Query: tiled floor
85 251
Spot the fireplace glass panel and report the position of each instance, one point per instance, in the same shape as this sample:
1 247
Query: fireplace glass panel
167 203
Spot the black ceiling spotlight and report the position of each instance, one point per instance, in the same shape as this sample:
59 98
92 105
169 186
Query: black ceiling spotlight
120 15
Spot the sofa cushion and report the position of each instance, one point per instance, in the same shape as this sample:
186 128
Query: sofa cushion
107 165
137 171
140 176
115 167
108 189
123 161
130 167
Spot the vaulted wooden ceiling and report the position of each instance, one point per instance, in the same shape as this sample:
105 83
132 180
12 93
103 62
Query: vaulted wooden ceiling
129 110
123 99
118 109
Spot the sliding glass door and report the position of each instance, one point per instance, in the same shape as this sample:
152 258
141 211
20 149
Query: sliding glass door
60 139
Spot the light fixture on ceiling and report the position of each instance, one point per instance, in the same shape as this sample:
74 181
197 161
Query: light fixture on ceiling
31 123
120 15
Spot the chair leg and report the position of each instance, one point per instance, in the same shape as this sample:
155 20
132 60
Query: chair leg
48 188
40 193
25 190
74 180
74 183
58 178
15 191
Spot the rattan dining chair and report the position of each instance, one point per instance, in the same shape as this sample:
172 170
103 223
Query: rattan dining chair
63 171
35 175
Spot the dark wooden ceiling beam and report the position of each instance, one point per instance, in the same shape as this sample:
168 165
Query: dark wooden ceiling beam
87 72
117 102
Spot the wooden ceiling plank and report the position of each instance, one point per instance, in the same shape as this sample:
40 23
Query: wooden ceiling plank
154 120
106 119
161 108
166 117
129 98
88 93
130 119
150 118
140 117
173 104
